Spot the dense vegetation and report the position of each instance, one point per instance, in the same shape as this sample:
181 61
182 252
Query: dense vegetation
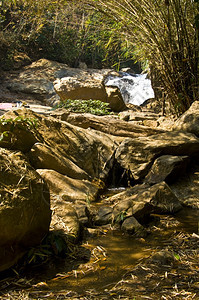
166 33
63 31
95 107
103 33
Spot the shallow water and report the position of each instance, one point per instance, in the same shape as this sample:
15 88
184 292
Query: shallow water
113 255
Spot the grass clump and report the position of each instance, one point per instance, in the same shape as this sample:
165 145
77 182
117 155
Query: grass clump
95 107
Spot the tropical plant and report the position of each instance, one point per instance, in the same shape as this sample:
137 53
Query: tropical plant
95 107
166 33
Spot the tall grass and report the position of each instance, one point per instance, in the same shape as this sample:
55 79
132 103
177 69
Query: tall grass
166 34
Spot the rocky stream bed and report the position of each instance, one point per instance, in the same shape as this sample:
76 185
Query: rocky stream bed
119 194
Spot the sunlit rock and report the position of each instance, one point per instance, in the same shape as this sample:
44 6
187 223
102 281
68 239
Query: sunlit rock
137 155
69 189
189 121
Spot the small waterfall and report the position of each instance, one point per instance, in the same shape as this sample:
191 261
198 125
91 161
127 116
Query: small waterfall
135 88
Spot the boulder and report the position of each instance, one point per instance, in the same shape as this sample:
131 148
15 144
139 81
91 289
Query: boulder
69 189
83 213
127 193
25 207
43 78
141 201
37 79
157 199
86 84
163 258
88 151
114 98
186 187
132 226
167 168
107 124
189 121
103 216
64 218
44 157
137 155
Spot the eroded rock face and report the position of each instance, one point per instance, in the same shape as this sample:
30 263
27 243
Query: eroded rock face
107 124
64 218
138 155
37 79
44 157
167 168
89 152
189 121
69 189
25 207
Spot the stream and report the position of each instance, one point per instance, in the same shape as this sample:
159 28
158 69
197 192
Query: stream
135 88
110 255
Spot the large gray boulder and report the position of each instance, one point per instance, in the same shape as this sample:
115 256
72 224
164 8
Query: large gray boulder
25 207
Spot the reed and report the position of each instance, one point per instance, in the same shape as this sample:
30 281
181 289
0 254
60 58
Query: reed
166 33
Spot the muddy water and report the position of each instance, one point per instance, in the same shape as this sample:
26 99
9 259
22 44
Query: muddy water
115 255
112 254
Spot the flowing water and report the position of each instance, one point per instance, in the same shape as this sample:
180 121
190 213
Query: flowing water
135 89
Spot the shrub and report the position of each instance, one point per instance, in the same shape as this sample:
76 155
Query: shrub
95 107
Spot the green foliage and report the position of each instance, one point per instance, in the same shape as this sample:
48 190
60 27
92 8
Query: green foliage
21 121
120 217
166 34
95 107
7 126
176 256
54 244
65 31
